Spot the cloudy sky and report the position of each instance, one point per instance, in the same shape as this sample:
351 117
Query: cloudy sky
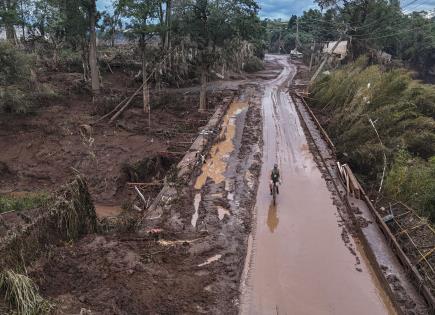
285 8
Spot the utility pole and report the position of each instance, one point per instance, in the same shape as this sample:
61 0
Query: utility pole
325 59
312 55
297 33
343 34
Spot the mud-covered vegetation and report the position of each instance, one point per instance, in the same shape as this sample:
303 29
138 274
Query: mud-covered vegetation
68 215
21 293
361 100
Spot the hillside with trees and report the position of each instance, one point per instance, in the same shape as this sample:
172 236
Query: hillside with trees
378 110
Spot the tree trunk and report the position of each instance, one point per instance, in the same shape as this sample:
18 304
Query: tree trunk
112 37
168 24
203 91
145 89
11 36
95 80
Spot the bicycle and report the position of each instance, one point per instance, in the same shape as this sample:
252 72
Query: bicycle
274 192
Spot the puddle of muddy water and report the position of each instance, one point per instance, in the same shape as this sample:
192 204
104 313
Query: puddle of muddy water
272 218
104 211
215 166
210 260
196 203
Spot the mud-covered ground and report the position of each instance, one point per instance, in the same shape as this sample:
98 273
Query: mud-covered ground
40 151
404 293
186 270
188 261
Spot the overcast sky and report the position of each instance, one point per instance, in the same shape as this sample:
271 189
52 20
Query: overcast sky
285 8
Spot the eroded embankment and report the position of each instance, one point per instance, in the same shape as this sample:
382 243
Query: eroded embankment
25 237
169 265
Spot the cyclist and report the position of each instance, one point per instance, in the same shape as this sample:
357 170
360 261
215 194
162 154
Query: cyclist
275 178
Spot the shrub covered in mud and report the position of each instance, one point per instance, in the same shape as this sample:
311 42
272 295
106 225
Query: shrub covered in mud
360 100
68 215
253 64
22 295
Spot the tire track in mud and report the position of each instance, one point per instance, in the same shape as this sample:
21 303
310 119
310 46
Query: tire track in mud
300 264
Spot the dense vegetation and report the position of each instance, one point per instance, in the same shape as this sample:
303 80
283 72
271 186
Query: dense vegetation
369 25
171 41
402 111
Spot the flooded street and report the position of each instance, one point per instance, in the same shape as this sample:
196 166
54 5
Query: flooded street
299 262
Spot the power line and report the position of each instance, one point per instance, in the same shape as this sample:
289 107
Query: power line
379 31
394 34
409 3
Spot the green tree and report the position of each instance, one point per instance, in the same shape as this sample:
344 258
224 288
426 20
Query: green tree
142 26
212 25
110 25
9 18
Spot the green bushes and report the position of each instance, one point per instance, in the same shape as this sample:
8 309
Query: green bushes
412 180
20 91
15 67
402 110
15 80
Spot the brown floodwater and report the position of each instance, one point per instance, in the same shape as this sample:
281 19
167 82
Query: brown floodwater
105 211
299 263
216 165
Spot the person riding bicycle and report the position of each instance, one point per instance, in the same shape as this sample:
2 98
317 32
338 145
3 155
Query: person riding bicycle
275 178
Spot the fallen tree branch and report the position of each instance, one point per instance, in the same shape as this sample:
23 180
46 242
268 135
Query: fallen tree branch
117 114
110 113
123 108
142 197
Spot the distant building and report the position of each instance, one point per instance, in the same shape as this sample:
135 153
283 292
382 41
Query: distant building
340 51
383 57
295 53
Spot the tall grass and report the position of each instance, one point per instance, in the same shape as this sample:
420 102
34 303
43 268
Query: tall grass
403 111
24 202
21 293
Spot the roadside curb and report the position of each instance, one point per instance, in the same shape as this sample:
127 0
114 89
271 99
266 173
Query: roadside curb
189 163
410 270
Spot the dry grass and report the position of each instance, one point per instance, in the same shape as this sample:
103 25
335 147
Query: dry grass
21 293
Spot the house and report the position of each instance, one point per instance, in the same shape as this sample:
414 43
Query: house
383 57
340 51
295 53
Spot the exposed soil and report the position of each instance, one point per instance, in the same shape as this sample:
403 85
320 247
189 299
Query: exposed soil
175 270
42 150
169 266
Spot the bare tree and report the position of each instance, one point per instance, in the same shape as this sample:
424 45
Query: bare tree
95 78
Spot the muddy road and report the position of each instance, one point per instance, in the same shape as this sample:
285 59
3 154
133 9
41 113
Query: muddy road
298 261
